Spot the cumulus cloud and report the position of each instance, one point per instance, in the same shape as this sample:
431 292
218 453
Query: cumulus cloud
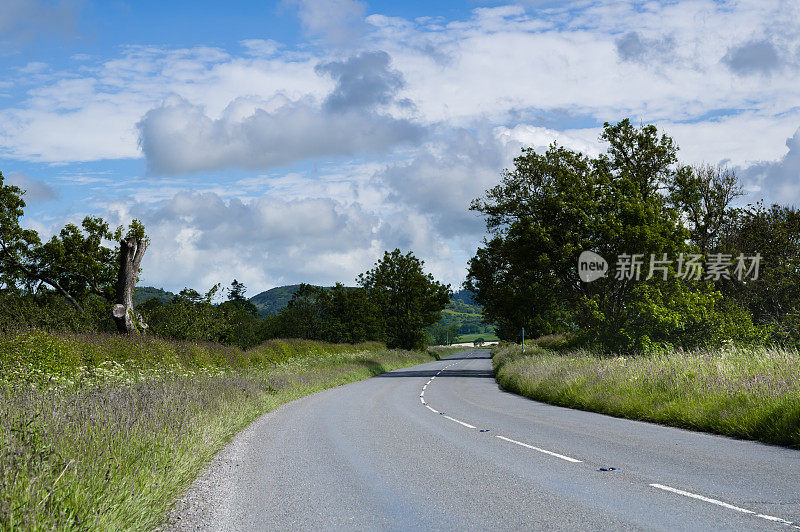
339 22
484 66
180 137
778 181
753 57
35 190
635 48
472 80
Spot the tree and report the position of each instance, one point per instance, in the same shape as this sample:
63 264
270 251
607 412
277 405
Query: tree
704 194
553 206
236 291
338 314
774 298
237 300
350 316
76 262
131 252
443 334
408 298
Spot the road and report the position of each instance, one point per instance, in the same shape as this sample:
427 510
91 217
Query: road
439 446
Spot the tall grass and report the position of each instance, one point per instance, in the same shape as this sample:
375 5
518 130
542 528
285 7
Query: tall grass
104 431
744 393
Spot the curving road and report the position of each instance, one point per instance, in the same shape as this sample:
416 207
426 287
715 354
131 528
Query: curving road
439 446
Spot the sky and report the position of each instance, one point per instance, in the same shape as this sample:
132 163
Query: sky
295 141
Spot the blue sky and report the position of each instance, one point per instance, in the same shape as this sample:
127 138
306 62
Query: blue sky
295 141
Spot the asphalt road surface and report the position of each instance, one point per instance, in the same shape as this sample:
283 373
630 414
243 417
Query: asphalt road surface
440 446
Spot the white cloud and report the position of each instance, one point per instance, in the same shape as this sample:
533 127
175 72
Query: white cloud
180 137
499 62
338 22
92 114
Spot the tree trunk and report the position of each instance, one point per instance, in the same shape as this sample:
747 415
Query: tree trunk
131 251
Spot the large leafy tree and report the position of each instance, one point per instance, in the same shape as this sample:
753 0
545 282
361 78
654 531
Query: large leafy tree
75 263
555 205
409 299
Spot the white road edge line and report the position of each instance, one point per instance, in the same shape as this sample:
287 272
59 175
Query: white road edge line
723 504
545 451
429 407
460 422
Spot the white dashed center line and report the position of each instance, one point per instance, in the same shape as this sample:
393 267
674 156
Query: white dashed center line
545 451
460 422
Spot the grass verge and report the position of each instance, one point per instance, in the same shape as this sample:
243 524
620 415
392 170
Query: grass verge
745 393
104 432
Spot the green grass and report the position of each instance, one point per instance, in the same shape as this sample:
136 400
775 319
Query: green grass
103 432
745 393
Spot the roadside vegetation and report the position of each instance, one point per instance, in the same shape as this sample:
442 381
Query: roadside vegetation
749 393
104 431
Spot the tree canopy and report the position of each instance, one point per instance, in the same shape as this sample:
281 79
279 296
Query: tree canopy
408 299
633 200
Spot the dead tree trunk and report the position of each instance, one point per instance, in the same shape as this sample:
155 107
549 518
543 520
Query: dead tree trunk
131 251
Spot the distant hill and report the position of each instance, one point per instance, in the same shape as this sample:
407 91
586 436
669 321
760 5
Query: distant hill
274 300
468 317
464 296
269 302
143 293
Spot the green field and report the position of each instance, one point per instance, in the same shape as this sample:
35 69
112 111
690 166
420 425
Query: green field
488 337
